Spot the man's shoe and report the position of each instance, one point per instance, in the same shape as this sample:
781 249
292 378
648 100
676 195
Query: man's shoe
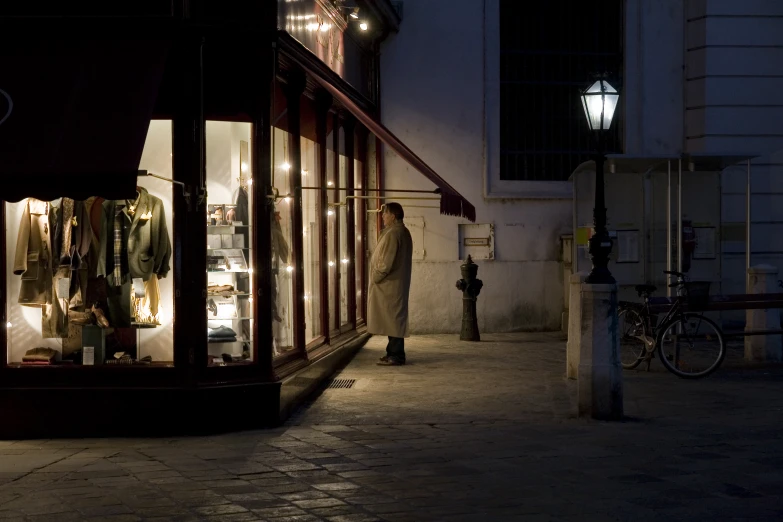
390 362
384 358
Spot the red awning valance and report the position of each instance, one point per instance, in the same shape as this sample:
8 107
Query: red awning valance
76 115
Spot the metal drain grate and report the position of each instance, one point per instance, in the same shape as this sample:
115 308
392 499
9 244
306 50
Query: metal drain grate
341 383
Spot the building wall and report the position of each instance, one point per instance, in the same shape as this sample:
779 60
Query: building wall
433 97
704 76
701 76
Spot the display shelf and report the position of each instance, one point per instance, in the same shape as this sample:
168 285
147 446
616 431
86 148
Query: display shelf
243 340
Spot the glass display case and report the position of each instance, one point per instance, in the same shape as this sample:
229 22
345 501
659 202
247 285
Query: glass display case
90 281
229 295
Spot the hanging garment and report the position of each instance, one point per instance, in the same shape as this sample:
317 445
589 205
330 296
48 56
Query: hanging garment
146 309
33 260
144 241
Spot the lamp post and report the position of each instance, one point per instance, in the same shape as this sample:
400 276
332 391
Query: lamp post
599 102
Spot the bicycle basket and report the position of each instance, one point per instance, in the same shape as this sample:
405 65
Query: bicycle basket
697 294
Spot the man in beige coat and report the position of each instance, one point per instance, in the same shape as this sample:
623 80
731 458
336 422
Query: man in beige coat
390 282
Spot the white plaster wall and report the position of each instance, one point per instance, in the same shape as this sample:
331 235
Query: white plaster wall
433 94
653 78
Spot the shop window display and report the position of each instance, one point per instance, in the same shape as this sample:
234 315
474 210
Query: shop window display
229 270
282 255
332 221
89 281
311 238
360 217
345 259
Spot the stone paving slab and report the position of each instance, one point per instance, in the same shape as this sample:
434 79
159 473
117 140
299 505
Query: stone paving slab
465 432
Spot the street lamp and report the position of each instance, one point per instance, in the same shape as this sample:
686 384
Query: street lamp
599 102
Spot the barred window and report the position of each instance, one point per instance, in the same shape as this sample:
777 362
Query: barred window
548 52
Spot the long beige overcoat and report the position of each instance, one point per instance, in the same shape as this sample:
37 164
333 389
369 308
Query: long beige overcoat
390 282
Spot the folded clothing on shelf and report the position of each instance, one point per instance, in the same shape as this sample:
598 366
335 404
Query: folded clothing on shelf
41 355
218 289
221 333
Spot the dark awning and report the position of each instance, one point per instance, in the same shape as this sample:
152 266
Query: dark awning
77 116
452 203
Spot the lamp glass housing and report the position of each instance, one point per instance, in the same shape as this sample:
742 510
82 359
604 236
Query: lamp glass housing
599 102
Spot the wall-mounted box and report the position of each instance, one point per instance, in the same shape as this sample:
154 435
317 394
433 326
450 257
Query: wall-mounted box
477 240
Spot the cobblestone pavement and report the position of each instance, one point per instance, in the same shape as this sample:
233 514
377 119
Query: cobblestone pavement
465 432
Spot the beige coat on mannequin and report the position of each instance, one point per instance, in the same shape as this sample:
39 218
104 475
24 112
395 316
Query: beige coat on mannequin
390 282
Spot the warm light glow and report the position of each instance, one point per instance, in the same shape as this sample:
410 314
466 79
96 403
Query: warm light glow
244 167
8 324
285 166
345 261
289 268
306 297
304 172
249 182
304 231
330 212
599 102
250 299
329 183
331 263
363 26
287 199
312 27
325 27
249 270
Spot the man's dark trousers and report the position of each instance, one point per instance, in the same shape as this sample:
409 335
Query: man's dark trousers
396 348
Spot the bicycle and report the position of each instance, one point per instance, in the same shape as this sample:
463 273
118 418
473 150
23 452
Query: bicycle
688 344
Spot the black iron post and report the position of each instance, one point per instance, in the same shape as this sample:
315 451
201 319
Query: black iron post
470 287
600 244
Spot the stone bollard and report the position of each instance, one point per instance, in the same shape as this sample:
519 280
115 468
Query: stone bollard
574 323
470 287
599 375
763 280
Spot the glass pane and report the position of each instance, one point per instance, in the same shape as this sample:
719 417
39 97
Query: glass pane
360 215
344 257
229 271
331 230
90 282
282 255
311 238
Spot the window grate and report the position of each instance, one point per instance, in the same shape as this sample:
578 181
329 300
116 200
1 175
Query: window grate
341 383
548 52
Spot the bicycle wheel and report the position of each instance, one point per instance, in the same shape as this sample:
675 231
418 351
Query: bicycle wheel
691 346
631 328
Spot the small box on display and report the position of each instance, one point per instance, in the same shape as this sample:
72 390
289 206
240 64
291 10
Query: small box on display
214 241
226 240
94 336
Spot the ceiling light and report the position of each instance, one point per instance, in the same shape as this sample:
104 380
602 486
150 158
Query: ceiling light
285 166
355 13
363 26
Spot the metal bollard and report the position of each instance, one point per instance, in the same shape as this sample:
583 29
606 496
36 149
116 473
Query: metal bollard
470 287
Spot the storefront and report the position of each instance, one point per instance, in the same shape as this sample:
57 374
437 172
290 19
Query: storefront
186 242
